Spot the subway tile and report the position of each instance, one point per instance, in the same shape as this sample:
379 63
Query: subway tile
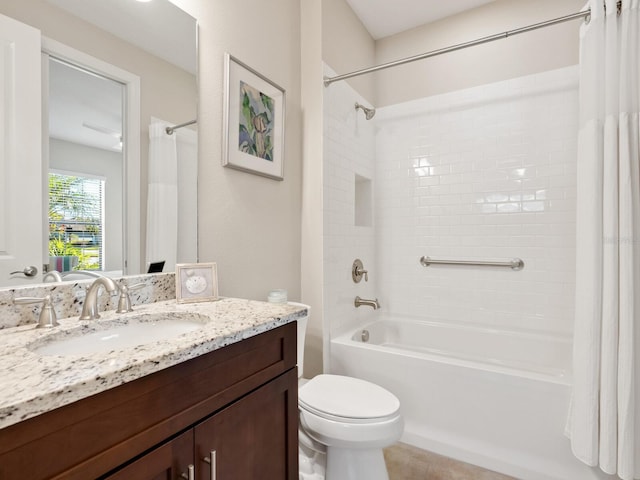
474 179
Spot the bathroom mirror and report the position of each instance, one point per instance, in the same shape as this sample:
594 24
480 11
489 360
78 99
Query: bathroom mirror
155 41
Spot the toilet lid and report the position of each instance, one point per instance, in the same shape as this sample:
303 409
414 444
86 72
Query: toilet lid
347 397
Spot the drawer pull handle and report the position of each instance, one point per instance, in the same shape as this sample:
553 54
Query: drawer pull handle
211 461
191 473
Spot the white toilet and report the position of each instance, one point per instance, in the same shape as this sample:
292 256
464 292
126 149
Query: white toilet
345 422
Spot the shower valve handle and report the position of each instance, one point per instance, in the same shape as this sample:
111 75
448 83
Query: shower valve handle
365 273
358 271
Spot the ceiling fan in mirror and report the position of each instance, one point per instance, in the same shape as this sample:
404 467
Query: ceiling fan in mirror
107 131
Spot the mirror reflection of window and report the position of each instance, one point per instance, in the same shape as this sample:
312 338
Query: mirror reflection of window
85 145
76 220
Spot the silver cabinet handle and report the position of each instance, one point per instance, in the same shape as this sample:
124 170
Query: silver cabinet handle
212 461
191 473
31 271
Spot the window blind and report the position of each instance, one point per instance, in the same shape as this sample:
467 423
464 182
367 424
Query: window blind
76 218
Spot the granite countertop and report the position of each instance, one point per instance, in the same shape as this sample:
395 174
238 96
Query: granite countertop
35 383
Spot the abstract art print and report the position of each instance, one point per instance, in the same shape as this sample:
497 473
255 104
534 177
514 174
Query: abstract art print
254 121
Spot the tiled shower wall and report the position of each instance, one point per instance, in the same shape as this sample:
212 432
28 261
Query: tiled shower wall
487 173
349 154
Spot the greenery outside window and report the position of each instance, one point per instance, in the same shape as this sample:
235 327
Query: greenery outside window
76 218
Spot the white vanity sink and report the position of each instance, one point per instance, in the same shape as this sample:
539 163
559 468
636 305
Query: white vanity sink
106 336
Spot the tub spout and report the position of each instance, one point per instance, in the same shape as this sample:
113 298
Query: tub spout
358 302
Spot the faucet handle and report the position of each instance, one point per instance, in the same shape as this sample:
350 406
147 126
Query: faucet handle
47 317
358 271
124 302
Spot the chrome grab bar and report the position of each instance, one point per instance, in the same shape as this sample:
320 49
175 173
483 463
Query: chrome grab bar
514 263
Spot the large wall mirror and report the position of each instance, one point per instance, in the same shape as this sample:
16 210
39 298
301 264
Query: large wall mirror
117 191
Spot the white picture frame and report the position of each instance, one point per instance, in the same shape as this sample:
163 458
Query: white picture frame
196 282
254 121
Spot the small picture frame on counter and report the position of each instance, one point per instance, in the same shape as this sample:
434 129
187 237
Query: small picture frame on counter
196 282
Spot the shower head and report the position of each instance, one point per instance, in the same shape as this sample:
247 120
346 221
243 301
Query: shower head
368 112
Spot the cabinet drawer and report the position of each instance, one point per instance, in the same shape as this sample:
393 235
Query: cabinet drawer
92 436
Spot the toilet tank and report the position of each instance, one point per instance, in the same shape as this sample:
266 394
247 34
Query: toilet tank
302 329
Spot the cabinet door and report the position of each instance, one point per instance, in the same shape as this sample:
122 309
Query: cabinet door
254 438
170 461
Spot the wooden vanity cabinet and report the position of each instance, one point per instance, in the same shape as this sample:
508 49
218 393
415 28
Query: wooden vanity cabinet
239 401
250 438
170 461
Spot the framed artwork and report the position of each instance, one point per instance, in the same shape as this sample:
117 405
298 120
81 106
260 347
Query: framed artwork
253 135
196 282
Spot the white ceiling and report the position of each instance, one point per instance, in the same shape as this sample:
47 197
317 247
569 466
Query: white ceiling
388 17
84 108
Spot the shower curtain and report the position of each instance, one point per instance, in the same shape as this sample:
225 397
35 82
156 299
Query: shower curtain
172 196
604 419
162 196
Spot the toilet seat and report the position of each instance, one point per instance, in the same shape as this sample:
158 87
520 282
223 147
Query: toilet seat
348 400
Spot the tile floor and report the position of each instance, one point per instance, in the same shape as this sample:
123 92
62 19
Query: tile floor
406 462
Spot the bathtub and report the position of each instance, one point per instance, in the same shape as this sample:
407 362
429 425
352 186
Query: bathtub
488 397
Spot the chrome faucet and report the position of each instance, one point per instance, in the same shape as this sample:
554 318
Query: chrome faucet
52 274
88 273
90 306
55 276
359 302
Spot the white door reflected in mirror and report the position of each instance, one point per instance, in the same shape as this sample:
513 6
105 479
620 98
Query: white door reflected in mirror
20 153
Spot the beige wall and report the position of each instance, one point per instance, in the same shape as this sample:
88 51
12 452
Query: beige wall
249 225
532 52
312 172
332 34
167 92
347 45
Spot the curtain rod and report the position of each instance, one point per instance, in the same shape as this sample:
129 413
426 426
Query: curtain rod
582 14
170 130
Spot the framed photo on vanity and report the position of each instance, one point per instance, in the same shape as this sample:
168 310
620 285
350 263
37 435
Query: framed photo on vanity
253 136
196 282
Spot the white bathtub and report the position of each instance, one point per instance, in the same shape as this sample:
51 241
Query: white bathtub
492 398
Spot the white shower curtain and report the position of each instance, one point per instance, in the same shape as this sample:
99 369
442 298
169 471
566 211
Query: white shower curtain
172 199
604 421
162 196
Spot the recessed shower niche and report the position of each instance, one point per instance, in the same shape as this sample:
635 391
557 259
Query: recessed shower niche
363 202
